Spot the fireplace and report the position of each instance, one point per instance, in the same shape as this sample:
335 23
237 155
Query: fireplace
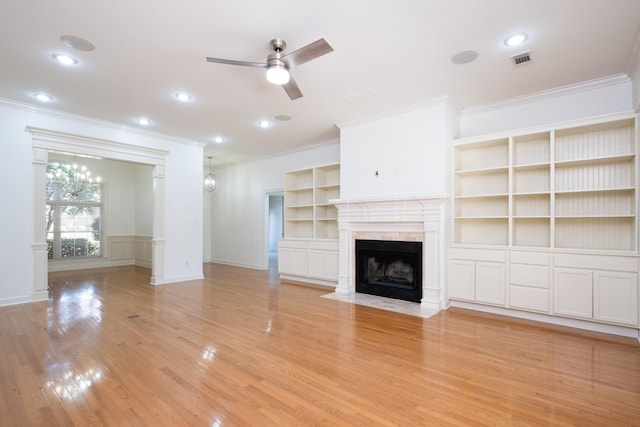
390 269
400 219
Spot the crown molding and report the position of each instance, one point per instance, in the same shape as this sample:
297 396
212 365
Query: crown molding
633 62
550 94
78 118
445 100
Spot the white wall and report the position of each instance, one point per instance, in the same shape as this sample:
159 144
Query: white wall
402 153
239 209
183 216
636 86
595 98
143 200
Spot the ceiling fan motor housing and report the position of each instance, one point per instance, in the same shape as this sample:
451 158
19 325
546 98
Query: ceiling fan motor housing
278 45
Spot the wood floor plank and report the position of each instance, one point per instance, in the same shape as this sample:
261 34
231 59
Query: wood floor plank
239 348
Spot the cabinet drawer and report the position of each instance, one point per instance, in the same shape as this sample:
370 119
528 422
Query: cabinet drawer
292 244
331 245
535 258
477 254
529 275
528 298
597 262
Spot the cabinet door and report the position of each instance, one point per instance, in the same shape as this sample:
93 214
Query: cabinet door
462 278
573 292
323 265
490 282
292 261
616 297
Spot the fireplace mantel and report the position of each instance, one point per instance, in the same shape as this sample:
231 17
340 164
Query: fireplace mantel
414 218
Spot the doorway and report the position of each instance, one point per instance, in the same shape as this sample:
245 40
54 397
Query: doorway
45 141
276 226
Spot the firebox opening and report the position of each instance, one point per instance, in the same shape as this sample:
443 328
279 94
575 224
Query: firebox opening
390 269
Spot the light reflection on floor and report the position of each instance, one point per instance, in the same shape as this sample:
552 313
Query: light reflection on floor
74 305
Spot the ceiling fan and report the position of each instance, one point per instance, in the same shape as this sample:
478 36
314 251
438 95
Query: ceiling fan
278 63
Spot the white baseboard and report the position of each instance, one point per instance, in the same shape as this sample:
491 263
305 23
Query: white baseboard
624 331
15 300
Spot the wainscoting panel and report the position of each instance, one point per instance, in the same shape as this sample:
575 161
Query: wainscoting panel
143 251
119 250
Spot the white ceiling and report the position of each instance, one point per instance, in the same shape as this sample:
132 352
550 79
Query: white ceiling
387 54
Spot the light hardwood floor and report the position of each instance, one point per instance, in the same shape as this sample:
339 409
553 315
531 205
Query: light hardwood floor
239 348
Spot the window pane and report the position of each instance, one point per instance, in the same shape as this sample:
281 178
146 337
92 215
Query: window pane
74 244
73 228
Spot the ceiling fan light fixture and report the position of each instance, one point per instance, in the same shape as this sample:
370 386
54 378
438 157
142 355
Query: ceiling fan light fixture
277 74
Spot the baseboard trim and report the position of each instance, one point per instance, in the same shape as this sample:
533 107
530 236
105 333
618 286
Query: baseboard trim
624 331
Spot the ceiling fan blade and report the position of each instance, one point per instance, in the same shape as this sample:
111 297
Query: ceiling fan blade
292 89
307 53
233 62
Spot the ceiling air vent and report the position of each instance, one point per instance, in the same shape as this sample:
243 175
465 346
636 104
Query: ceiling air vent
521 59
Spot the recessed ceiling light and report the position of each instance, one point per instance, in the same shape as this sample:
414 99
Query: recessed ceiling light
144 122
264 123
516 39
183 97
464 57
64 59
218 139
43 97
77 43
283 117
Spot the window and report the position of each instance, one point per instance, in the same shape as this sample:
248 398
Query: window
74 206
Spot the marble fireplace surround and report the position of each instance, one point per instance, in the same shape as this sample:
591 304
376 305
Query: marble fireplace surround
418 218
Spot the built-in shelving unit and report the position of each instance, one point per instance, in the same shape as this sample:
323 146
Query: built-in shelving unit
309 212
571 187
309 250
545 220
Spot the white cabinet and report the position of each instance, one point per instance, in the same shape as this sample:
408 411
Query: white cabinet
292 257
309 250
490 282
616 297
322 260
313 261
462 280
597 287
561 204
610 297
529 281
475 276
573 295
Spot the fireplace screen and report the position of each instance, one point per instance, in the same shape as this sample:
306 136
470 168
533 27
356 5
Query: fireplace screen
389 268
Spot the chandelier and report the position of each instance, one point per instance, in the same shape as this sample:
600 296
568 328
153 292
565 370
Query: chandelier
211 181
70 181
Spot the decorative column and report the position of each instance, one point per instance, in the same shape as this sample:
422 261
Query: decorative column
345 246
39 246
158 240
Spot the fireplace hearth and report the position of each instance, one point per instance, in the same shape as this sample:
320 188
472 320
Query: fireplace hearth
391 269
